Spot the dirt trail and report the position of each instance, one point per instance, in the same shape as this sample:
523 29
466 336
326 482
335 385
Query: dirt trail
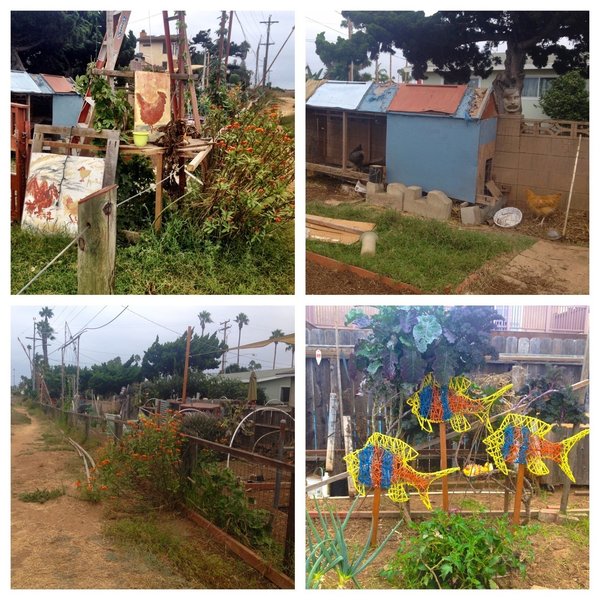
59 544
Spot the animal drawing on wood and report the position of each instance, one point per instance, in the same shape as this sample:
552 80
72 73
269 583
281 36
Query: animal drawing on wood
55 185
152 100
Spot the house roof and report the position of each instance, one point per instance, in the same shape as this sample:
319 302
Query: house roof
437 99
59 84
378 97
22 83
261 375
345 95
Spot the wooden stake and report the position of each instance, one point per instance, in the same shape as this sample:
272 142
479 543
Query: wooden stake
518 494
97 224
564 231
444 465
375 516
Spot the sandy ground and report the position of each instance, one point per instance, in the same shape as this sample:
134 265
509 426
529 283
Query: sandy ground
59 544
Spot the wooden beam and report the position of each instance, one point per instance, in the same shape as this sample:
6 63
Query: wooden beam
281 580
131 74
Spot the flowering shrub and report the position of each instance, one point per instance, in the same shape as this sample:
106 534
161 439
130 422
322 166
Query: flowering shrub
248 190
143 466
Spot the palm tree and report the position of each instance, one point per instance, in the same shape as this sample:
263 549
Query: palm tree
254 366
204 318
291 347
45 330
274 335
242 319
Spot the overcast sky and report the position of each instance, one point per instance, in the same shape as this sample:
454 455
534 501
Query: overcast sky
247 26
133 332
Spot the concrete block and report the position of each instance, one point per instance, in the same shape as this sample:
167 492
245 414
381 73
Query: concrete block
562 519
374 188
439 206
415 205
413 192
547 516
471 215
396 189
386 201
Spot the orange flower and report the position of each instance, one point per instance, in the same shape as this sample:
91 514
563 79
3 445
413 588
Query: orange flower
103 487
78 484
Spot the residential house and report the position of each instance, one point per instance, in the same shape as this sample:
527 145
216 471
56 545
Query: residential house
278 384
153 49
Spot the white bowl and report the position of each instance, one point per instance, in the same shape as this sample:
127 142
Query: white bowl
508 217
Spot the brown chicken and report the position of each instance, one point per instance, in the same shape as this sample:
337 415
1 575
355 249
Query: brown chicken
151 112
542 205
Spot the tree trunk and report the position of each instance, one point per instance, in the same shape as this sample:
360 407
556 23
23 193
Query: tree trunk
508 84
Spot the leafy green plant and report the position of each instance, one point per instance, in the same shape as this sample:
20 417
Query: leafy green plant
328 549
41 496
449 551
218 495
567 98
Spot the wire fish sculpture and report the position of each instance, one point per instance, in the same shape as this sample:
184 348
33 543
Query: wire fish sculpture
522 440
383 463
435 403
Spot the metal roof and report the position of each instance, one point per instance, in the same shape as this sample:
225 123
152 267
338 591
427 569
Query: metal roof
22 83
59 84
345 95
437 99
378 97
42 84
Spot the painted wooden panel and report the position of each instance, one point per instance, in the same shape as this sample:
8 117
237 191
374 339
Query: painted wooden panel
55 185
152 106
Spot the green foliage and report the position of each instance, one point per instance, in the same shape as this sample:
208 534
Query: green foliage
168 358
144 466
41 496
203 425
339 55
134 175
567 98
449 551
248 192
218 495
18 418
112 109
109 377
327 549
562 405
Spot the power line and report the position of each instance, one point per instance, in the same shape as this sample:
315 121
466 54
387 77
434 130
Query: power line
105 306
154 322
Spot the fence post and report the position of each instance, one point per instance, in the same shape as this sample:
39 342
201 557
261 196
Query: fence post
277 491
290 532
118 429
97 227
86 430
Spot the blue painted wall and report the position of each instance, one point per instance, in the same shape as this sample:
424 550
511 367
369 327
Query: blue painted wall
65 110
436 153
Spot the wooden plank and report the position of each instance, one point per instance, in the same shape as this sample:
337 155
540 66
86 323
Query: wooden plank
323 234
341 224
331 432
131 74
493 189
338 172
250 557
193 164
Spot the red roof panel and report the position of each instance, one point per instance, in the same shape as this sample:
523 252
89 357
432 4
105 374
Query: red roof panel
60 84
414 98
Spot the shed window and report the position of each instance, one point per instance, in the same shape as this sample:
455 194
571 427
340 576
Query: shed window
284 395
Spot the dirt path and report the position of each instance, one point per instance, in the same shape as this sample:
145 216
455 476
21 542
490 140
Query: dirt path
59 544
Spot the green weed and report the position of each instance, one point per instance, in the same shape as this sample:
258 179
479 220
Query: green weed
18 418
41 496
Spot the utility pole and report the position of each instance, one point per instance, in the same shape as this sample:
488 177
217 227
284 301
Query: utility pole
228 48
267 44
187 363
33 372
221 43
256 69
62 369
226 326
351 67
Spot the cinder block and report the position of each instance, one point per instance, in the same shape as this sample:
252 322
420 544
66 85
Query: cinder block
386 201
413 192
547 516
396 189
439 206
471 215
374 188
562 519
415 205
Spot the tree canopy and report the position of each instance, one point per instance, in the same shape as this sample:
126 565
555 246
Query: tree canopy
567 98
168 358
60 42
461 43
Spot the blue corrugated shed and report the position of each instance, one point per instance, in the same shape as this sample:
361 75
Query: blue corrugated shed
378 97
42 84
22 83
345 95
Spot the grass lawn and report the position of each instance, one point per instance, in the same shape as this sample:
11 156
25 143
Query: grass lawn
170 263
427 254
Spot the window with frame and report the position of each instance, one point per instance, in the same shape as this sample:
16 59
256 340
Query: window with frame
535 87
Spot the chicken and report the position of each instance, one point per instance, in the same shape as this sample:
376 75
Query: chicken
542 205
71 208
151 112
357 157
83 173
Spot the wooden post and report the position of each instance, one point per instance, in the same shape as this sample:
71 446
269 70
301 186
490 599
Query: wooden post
375 516
157 159
344 140
348 447
97 225
331 432
566 483
290 530
444 465
187 363
518 494
280 448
